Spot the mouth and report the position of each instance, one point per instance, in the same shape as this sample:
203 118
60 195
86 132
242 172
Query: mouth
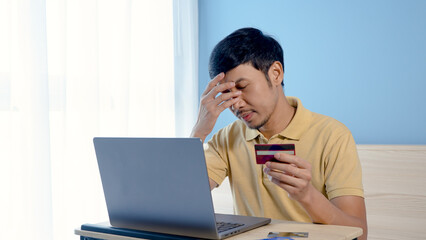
246 116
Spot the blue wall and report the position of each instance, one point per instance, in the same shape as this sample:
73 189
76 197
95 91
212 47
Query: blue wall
361 62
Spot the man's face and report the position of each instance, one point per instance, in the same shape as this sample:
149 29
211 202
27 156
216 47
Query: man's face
258 98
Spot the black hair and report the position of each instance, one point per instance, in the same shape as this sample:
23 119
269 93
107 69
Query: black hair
245 45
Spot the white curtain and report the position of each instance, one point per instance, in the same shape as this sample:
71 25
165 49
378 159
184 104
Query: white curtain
71 70
186 65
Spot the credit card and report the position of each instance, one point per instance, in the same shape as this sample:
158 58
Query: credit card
266 152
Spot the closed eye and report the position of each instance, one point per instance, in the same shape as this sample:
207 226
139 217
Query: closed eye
241 87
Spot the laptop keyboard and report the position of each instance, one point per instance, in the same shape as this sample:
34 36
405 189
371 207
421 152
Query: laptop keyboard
225 226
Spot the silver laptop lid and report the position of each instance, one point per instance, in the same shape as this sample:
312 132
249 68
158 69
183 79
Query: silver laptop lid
146 185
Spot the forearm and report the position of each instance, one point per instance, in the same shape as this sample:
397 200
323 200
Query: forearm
213 184
197 134
322 210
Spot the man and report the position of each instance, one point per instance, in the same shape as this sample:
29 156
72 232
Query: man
321 183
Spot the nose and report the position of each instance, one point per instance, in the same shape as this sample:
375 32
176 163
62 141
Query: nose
238 105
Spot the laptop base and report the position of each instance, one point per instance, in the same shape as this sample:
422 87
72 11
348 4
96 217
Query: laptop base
105 227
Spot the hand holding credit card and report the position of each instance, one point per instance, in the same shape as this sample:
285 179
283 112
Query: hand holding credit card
266 152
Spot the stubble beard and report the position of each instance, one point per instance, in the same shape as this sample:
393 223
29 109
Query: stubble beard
258 126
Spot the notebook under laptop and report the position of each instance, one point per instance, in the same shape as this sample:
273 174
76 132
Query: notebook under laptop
160 185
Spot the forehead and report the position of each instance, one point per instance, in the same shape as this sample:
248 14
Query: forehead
242 72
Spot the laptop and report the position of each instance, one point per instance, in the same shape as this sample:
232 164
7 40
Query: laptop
160 185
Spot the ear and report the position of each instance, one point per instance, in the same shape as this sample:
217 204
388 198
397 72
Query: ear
276 73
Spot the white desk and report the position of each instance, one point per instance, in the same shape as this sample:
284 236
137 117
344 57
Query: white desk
316 232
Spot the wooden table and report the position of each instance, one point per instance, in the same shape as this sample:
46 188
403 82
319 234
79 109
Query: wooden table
316 232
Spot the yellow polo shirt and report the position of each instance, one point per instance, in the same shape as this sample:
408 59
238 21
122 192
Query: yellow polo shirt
323 141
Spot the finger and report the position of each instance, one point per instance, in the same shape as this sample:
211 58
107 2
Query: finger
284 179
292 159
290 169
282 184
228 103
291 190
228 96
213 83
222 88
222 102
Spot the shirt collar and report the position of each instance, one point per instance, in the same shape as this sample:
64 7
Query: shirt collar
298 125
251 133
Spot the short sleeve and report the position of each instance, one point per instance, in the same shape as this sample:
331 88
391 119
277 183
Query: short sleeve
343 173
216 157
